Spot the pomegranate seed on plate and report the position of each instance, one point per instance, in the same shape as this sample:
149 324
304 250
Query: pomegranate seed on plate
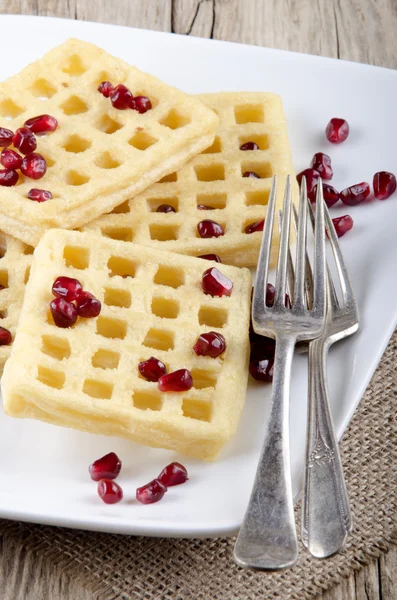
337 131
34 166
330 195
152 369
205 207
87 305
177 381
8 177
67 287
10 159
311 176
322 164
105 88
251 174
39 195
63 312
6 136
249 146
210 229
106 467
121 97
173 474
141 103
109 491
210 344
151 492
165 208
254 227
215 283
262 369
342 224
5 337
42 124
24 140
384 185
355 194
213 257
270 294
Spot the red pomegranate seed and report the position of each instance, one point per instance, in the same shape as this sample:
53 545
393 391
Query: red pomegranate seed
330 195
355 194
6 136
210 344
322 164
213 257
63 312
205 207
34 166
342 224
24 140
5 337
10 159
311 176
254 227
262 369
105 88
87 305
271 294
141 103
215 283
67 287
121 97
165 208
177 381
210 229
152 369
108 467
151 492
249 146
39 195
8 177
384 185
109 491
42 124
251 174
173 474
337 131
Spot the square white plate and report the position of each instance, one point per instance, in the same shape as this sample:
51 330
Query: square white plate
43 469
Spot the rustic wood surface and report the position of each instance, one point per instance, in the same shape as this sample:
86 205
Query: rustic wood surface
358 30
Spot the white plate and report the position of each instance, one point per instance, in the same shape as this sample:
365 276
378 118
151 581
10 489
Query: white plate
43 469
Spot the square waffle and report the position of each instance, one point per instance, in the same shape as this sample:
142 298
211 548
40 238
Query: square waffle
86 377
215 179
98 156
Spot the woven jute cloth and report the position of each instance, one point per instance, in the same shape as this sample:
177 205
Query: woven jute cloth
40 562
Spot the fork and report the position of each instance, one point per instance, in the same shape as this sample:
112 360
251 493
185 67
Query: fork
267 538
326 517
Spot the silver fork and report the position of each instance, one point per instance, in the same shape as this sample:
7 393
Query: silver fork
267 538
326 519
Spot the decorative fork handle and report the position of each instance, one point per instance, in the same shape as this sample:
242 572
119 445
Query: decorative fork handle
326 520
267 538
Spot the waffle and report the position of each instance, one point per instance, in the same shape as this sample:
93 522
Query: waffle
214 178
86 377
15 262
98 156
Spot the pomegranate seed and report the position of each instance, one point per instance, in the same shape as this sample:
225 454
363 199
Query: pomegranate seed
311 176
109 491
210 229
215 283
177 381
249 146
39 195
107 467
24 140
121 97
6 136
151 492
337 131
8 177
173 474
105 88
152 369
87 305
355 194
64 313
262 369
67 287
251 174
384 185
34 166
342 224
271 294
165 208
10 159
210 344
204 207
213 257
322 164
5 337
42 124
254 227
330 195
141 103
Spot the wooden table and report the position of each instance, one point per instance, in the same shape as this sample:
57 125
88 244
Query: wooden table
358 30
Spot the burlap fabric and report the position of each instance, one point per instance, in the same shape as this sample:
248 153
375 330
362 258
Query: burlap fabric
38 562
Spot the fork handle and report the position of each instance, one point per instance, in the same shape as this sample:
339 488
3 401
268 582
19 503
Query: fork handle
267 538
326 519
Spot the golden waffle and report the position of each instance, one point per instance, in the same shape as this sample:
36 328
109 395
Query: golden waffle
98 156
214 178
15 261
87 377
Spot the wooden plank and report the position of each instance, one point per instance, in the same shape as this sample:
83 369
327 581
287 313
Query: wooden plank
344 591
367 582
387 574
